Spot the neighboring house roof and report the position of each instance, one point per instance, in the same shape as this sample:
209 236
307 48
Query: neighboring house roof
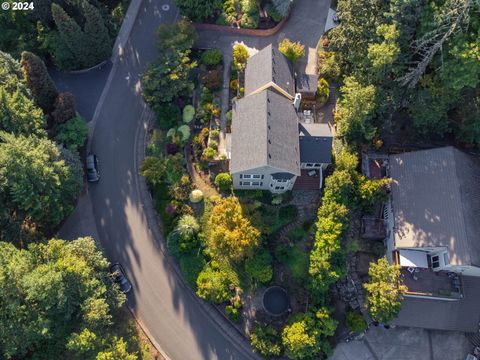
458 315
306 83
265 133
315 143
436 203
267 66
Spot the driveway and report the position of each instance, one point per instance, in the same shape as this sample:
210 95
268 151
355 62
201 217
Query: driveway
306 24
404 344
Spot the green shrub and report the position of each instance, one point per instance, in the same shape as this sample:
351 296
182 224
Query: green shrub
266 341
73 133
214 134
323 91
213 144
215 281
292 50
223 181
188 113
240 57
209 153
328 65
168 116
356 322
259 267
211 58
233 313
274 14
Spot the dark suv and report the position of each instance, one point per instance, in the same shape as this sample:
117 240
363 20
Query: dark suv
93 175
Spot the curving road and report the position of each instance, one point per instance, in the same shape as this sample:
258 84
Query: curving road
173 317
116 212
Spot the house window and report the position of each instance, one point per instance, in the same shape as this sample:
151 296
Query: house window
241 183
247 176
241 177
256 176
309 165
255 183
435 261
316 165
246 183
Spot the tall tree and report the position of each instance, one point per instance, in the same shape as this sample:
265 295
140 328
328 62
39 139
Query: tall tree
37 181
384 290
39 81
56 296
18 114
169 76
230 234
98 39
71 36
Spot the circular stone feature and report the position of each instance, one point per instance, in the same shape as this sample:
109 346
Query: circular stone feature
275 301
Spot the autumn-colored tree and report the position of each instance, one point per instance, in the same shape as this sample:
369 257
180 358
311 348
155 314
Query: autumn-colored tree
229 233
64 108
384 290
39 81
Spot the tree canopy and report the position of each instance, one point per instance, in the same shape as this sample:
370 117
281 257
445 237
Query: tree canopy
64 301
230 234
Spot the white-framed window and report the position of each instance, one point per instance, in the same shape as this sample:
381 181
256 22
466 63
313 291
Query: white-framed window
247 176
246 183
435 261
256 176
317 165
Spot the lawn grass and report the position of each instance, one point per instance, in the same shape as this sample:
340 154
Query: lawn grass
298 261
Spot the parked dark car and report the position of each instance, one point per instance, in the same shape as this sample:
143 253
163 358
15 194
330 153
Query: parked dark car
120 278
93 175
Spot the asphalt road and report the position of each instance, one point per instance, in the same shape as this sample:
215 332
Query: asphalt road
159 299
86 87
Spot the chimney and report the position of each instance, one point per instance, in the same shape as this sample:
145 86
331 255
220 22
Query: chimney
297 101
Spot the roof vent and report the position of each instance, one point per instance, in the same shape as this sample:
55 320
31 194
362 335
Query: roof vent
296 102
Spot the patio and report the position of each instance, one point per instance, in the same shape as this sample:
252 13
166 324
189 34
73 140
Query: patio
426 282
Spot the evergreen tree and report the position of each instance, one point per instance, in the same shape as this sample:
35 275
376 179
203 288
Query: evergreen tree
19 115
96 33
39 182
56 296
71 36
39 81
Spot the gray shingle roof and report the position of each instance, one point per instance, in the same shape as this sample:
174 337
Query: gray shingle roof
435 198
265 133
315 143
306 83
269 65
459 315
